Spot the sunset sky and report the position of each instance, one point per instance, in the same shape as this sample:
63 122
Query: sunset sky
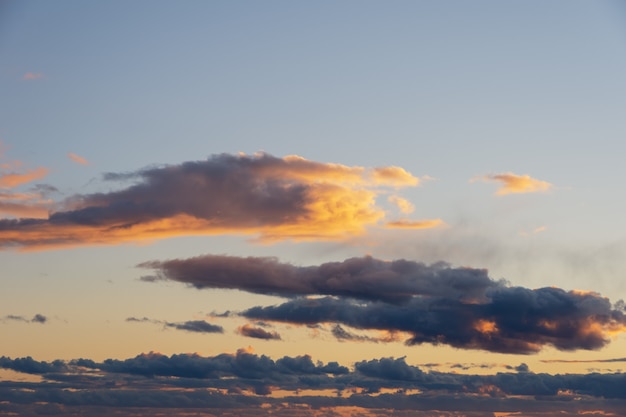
312 208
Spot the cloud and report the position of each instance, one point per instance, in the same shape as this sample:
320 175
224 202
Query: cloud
513 183
78 159
363 278
414 224
436 304
404 205
32 76
243 382
257 332
37 318
512 320
195 326
12 180
263 196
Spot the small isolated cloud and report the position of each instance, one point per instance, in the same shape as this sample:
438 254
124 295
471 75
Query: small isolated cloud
32 76
78 159
516 184
404 205
257 332
37 318
262 196
415 224
195 326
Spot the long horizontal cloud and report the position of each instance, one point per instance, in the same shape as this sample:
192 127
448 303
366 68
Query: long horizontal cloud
262 195
227 383
364 278
196 326
37 318
437 304
257 332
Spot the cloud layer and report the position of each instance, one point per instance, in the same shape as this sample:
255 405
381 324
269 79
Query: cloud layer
437 304
254 385
268 197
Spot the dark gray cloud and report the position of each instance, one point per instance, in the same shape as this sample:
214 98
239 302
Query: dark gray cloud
437 304
37 318
227 383
515 320
196 326
365 278
257 332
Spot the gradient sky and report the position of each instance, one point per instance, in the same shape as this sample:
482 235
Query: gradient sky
154 154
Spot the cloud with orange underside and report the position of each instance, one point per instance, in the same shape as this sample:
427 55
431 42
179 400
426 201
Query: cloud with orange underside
265 197
516 184
77 158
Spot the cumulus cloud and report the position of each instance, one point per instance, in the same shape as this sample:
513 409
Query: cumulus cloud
257 332
514 184
78 159
436 304
227 383
261 195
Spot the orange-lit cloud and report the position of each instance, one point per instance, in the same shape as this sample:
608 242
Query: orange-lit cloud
11 180
404 205
263 196
78 159
414 224
32 76
516 184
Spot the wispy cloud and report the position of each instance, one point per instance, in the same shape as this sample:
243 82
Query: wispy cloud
514 184
414 224
12 180
28 76
261 195
37 318
78 159
436 304
404 205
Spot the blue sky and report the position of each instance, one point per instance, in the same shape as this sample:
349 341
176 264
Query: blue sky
461 96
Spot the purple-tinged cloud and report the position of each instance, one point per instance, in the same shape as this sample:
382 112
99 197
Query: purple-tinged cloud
263 196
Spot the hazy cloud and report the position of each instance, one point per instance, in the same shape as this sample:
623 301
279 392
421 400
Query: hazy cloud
513 183
32 76
261 195
78 159
414 224
257 332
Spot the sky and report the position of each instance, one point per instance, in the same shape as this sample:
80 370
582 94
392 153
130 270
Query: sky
312 208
